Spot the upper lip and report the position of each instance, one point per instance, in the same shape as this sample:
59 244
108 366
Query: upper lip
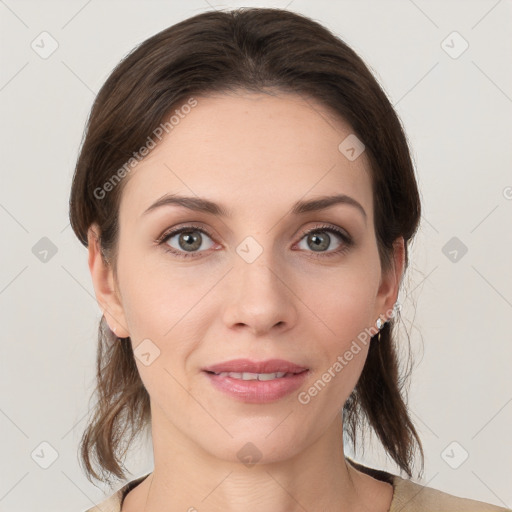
248 366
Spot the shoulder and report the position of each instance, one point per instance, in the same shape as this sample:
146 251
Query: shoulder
115 501
413 497
112 504
409 496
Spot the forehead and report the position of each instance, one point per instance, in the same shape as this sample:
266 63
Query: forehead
250 151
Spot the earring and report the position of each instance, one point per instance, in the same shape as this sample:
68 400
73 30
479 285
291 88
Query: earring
379 324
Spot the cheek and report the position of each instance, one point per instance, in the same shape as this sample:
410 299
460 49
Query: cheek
154 296
161 304
345 307
344 302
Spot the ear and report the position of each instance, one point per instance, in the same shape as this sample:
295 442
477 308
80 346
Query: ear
390 281
104 285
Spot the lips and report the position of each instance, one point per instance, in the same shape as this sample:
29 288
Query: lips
256 382
248 366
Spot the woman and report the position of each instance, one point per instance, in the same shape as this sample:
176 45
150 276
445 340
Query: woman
247 197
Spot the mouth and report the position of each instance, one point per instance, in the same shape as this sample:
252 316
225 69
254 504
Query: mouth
255 376
256 382
246 369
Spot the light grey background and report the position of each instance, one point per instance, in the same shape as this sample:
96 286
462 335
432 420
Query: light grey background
457 113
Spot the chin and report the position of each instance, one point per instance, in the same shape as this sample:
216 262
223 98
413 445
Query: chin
254 447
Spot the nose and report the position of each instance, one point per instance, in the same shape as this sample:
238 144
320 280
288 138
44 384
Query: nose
261 298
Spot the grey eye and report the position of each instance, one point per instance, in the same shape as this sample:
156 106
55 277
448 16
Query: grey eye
318 241
190 240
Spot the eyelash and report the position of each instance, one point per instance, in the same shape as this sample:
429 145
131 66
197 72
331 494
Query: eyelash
347 241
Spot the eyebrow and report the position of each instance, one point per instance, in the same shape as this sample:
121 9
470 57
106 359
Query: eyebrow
206 206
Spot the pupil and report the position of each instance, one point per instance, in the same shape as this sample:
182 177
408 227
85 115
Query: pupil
190 239
318 243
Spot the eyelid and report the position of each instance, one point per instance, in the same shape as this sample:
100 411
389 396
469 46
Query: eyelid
187 226
347 240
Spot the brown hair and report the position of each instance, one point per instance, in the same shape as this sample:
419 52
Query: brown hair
254 50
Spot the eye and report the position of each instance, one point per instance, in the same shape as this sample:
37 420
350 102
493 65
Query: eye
318 239
188 241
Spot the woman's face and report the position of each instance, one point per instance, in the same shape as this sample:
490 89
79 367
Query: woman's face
250 284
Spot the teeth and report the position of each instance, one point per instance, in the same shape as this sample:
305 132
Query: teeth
253 376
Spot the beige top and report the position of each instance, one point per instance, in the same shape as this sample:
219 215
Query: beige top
408 496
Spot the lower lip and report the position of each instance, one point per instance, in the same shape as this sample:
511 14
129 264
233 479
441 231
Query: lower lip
256 391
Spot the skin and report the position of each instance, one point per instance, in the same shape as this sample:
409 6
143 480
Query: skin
256 154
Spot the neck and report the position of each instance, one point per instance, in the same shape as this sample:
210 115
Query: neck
186 477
